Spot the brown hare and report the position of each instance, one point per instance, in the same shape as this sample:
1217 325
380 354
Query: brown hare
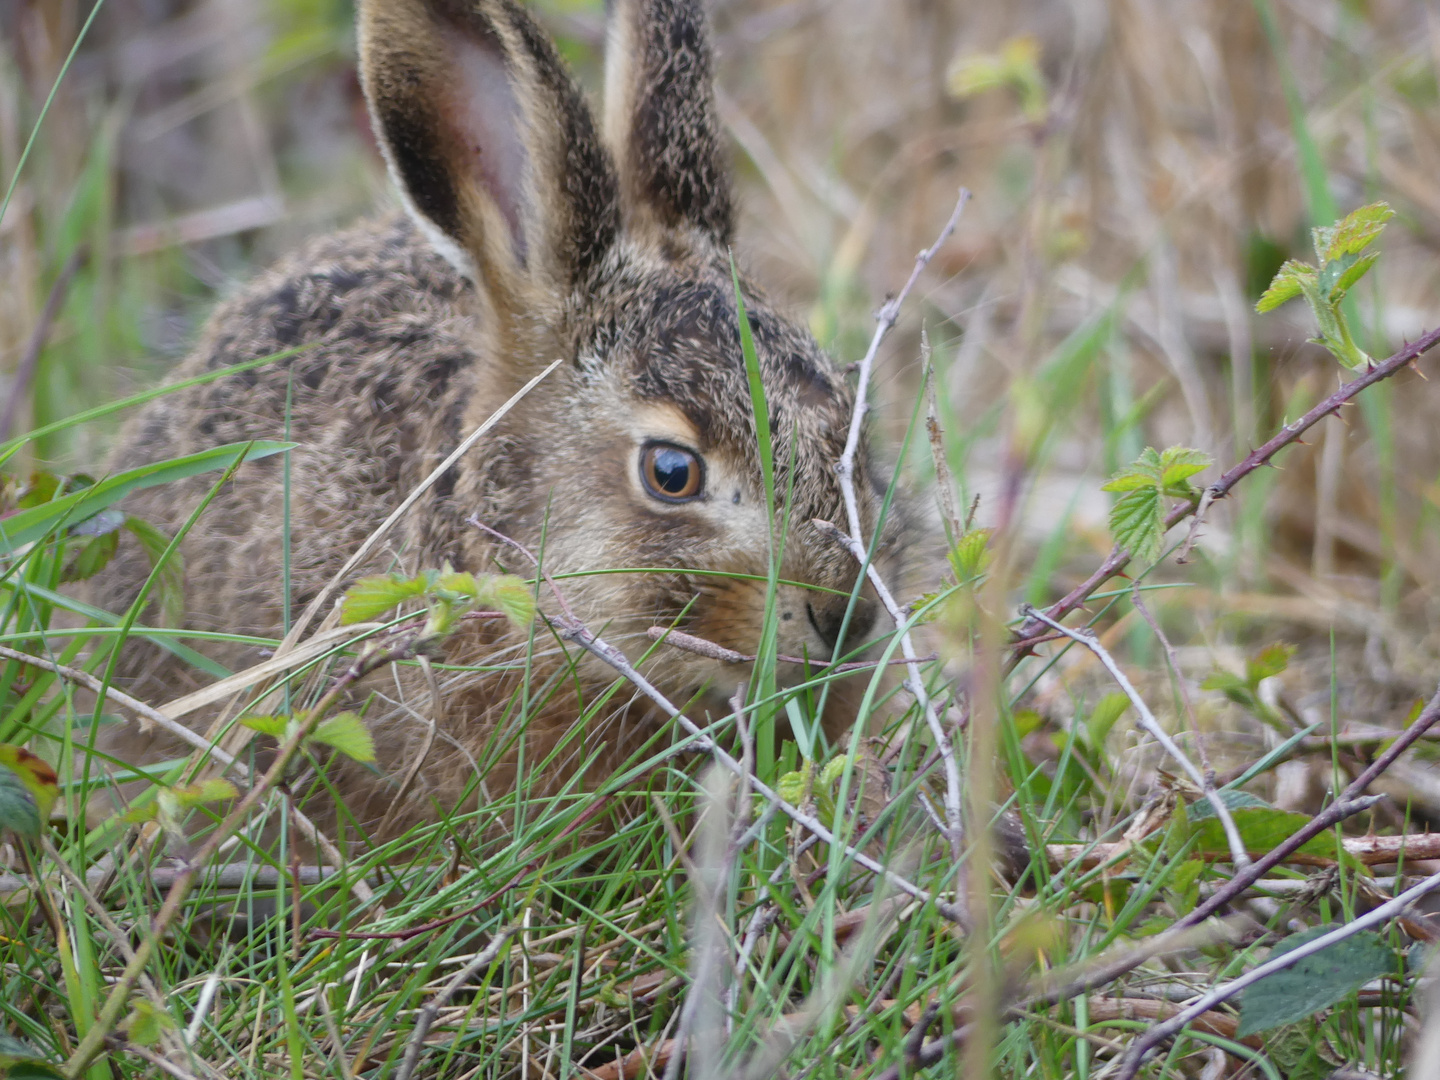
530 236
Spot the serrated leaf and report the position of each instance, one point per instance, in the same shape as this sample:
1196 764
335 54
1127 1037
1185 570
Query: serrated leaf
1135 523
1314 983
274 726
1129 481
1286 285
1179 463
1356 231
510 596
1268 662
348 735
1103 717
458 586
1261 828
28 790
15 1052
202 792
371 597
1358 269
145 1023
970 555
791 786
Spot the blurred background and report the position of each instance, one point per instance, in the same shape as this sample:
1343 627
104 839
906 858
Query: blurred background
1140 169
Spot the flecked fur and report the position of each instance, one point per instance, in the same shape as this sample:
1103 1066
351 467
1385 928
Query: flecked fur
623 272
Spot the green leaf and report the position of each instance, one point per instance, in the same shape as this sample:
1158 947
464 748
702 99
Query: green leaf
26 526
201 792
28 790
1135 523
1354 232
791 786
1130 481
18 1059
1261 828
1178 464
348 735
145 1023
1314 983
970 556
1286 285
93 557
1358 269
1268 662
371 597
1102 718
510 596
1230 683
274 726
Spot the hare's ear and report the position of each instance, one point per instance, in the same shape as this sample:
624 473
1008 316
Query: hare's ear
660 116
489 141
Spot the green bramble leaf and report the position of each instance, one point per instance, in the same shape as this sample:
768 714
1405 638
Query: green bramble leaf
201 792
348 735
371 597
510 596
146 1023
274 726
93 557
1178 464
1316 982
791 786
970 556
1268 662
1353 233
1358 269
1135 481
1287 284
1136 524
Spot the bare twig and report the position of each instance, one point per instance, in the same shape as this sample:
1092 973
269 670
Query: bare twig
484 958
703 647
1150 724
1154 1036
1026 637
845 470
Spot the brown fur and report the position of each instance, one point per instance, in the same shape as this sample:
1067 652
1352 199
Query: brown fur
621 271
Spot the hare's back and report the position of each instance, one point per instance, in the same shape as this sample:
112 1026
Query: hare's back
373 394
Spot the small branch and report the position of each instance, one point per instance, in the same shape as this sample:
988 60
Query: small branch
845 470
914 682
432 1008
1026 636
1150 724
1154 1036
1370 850
944 481
703 647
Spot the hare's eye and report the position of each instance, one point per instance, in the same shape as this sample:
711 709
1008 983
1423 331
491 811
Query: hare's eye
671 473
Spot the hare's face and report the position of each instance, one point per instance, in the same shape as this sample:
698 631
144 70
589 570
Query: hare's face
640 458
654 467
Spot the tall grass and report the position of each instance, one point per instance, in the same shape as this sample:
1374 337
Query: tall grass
1139 175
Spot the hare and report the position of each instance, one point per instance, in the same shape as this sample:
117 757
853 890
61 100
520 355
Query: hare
529 236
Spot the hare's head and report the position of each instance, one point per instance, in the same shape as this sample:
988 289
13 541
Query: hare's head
612 252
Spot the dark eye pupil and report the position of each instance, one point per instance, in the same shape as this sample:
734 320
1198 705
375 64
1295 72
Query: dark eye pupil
672 471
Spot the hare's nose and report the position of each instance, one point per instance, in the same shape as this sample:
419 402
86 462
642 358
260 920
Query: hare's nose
827 615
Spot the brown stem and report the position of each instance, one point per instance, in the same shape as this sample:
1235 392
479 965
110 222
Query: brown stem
1029 633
